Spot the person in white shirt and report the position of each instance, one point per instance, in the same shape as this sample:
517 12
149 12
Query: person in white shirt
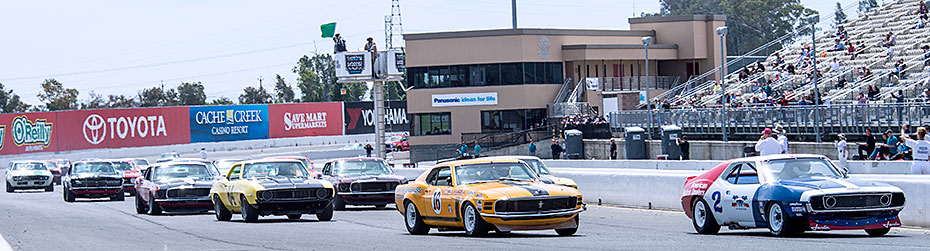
841 153
782 139
767 144
203 153
921 153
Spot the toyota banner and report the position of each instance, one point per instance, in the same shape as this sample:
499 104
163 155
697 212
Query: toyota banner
115 128
228 123
359 117
305 119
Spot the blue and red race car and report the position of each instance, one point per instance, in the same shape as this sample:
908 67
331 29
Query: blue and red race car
789 194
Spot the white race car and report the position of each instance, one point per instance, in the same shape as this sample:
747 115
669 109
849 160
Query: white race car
29 175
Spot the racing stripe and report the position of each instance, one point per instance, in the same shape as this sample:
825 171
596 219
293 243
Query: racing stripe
845 183
533 189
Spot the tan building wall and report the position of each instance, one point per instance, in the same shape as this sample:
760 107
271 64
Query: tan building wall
695 36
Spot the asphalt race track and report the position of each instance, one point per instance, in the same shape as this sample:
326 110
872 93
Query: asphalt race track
35 220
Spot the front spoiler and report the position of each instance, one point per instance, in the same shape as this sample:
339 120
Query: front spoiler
534 216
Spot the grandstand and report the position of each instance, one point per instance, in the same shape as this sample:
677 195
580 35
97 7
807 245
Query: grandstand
867 34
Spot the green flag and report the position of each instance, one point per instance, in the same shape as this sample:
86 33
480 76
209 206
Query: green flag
328 29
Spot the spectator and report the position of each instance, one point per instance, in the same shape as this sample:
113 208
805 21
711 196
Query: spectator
767 145
835 66
841 153
368 150
477 150
921 8
613 149
926 49
340 43
898 98
904 151
889 40
556 149
685 147
782 139
873 92
920 164
866 148
889 148
532 148
463 150
922 22
899 68
203 153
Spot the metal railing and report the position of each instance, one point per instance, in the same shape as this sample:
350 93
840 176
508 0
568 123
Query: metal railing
497 140
564 91
638 83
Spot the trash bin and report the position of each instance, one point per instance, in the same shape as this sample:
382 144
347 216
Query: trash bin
670 135
574 145
635 142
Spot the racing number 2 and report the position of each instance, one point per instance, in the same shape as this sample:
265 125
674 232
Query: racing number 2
716 198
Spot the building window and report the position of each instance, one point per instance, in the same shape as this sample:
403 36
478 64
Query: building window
512 120
432 124
485 74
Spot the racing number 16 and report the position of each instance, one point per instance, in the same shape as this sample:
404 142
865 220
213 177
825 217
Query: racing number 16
716 198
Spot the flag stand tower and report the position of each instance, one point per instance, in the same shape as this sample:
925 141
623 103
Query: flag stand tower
359 67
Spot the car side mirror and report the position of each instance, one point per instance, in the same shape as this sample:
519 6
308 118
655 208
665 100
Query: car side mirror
845 172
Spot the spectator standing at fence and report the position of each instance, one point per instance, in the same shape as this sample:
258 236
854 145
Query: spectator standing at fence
613 149
368 150
841 154
463 150
921 146
556 149
477 150
865 149
532 148
685 147
782 138
767 145
203 153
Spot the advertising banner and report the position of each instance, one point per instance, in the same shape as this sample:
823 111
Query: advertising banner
464 99
359 117
228 123
305 119
28 133
115 128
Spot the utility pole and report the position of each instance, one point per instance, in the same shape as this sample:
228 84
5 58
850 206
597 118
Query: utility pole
513 8
814 19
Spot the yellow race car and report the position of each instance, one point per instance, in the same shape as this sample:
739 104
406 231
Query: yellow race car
271 187
482 194
542 170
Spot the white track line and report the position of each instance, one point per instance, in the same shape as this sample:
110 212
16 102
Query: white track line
4 246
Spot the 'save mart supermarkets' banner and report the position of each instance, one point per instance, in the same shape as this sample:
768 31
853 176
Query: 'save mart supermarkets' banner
305 119
228 123
28 133
114 128
359 117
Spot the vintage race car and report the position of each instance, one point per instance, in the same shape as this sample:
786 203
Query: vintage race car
542 170
55 169
174 187
397 142
482 194
362 181
29 175
271 187
789 194
92 179
309 164
130 173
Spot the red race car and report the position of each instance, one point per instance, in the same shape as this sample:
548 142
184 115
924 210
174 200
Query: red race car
129 171
55 169
397 142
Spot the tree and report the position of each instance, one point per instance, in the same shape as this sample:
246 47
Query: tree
191 94
394 91
154 96
353 91
56 97
839 17
252 95
9 102
317 78
865 6
94 101
121 101
283 92
751 23
221 101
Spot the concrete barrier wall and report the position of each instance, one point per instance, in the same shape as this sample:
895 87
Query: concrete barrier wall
855 167
708 150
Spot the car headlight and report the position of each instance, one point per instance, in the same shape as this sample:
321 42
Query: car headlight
17 178
265 195
356 187
343 187
77 182
322 193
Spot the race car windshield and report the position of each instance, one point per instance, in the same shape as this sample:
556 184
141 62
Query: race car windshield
395 139
226 164
537 166
275 170
62 163
492 172
788 169
140 162
94 167
170 155
181 171
307 163
122 166
32 166
363 167
50 164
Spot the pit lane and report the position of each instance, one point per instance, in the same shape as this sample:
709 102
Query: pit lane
35 220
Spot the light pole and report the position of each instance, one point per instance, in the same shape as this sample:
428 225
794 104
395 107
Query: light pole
814 19
722 32
646 42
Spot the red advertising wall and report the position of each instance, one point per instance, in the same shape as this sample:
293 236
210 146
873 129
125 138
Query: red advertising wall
305 119
29 133
114 128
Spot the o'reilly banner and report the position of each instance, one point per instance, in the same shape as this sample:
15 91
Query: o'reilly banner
359 117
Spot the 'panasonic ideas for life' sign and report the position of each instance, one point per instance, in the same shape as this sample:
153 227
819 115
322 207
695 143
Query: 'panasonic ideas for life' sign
464 99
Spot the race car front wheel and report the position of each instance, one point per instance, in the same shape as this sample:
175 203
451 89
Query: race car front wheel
413 221
570 231
249 213
154 209
9 188
69 196
779 222
878 232
703 219
50 188
119 196
222 213
326 214
140 207
339 203
474 224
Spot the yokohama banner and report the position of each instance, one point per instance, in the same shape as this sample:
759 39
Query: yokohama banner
304 119
114 128
28 133
359 117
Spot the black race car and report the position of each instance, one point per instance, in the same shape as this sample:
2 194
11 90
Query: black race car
174 186
92 179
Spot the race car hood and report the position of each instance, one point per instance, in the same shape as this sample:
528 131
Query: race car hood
558 181
809 187
354 178
287 183
30 173
130 174
508 189
177 182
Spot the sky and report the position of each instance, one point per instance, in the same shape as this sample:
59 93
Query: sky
121 47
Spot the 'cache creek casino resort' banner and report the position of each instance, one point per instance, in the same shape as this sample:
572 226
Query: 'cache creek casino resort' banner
228 123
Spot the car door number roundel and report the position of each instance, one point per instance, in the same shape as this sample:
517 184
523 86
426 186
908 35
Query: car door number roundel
437 205
716 198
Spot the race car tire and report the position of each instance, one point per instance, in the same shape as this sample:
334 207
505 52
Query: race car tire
380 206
293 216
570 231
222 213
154 209
132 193
703 219
339 203
140 207
412 220
779 223
69 196
50 188
9 188
326 214
878 232
119 196
249 213
475 226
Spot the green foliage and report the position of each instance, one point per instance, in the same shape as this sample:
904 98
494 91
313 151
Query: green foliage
308 81
354 91
9 102
252 95
94 101
121 101
317 81
751 23
283 92
221 101
56 97
839 17
154 96
191 94
394 91
867 5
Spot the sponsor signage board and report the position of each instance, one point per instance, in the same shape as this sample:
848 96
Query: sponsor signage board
228 123
114 128
304 119
353 64
464 99
28 133
359 117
